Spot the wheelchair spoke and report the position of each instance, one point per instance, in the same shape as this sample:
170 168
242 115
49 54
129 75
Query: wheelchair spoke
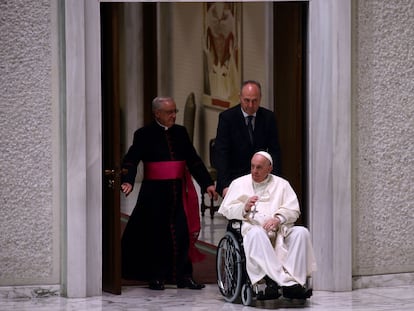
229 267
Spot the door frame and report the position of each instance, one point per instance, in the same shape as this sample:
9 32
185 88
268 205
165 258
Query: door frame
111 148
328 152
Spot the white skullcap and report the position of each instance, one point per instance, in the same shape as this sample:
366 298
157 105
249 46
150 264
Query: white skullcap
266 155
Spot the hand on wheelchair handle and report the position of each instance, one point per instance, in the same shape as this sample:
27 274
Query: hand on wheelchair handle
211 190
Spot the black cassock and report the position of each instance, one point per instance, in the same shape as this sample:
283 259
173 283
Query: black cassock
155 242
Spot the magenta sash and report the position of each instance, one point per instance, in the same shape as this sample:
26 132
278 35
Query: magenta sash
178 170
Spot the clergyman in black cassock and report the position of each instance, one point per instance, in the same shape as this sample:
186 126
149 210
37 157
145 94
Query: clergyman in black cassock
156 245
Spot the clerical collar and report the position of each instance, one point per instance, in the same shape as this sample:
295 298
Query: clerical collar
163 126
262 183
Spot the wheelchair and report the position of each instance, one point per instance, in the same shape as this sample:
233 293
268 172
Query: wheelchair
232 278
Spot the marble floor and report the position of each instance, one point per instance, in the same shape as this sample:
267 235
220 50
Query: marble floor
397 298
212 229
140 298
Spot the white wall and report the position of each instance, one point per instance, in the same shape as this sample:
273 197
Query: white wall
383 127
29 212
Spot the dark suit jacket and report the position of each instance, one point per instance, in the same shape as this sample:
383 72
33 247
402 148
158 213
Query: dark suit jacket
233 150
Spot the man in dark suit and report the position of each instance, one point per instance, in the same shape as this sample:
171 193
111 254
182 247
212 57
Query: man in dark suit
243 130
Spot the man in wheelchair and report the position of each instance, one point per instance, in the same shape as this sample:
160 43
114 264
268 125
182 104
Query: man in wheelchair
278 253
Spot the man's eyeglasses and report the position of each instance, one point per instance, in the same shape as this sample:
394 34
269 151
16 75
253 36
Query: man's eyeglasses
170 112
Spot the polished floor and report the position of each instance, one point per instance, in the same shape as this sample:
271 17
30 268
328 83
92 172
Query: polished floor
172 299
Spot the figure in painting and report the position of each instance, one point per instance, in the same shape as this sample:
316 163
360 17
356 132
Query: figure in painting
221 51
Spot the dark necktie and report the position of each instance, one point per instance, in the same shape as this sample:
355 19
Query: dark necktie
250 128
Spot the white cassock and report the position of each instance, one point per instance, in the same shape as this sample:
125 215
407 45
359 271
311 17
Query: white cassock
286 256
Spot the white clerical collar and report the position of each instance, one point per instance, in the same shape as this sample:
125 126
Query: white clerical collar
262 183
163 126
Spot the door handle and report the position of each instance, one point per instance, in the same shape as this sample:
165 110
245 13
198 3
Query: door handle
111 174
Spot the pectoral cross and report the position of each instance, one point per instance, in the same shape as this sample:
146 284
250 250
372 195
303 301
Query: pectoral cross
253 211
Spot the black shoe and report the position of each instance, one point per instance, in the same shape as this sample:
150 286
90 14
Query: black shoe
308 293
296 292
270 283
271 291
189 283
156 285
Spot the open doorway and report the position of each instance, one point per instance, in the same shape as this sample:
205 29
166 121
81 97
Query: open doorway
289 86
290 22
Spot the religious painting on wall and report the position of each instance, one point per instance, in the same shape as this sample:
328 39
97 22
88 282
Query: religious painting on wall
221 53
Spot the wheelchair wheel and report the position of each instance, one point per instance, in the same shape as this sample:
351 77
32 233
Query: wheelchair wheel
247 295
229 267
